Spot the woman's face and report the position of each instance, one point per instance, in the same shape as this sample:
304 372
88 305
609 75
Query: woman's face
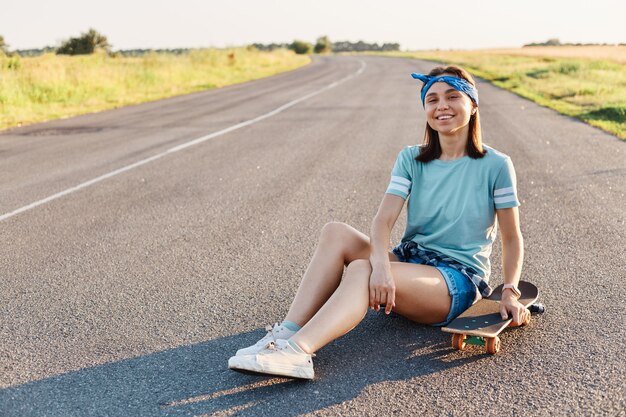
447 109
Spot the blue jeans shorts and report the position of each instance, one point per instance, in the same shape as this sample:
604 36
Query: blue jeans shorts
462 291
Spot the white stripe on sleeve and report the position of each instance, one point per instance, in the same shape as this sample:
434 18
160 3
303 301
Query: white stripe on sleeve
503 191
400 180
401 188
507 199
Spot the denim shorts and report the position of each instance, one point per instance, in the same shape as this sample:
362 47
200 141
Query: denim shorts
462 291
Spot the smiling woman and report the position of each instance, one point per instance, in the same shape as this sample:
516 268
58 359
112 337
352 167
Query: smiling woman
454 187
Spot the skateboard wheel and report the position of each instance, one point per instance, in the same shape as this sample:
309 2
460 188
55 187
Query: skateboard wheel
493 345
458 341
537 308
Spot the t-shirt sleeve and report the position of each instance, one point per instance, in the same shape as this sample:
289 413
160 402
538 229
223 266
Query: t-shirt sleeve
505 188
400 183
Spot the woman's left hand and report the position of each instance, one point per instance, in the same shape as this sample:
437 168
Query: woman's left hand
511 308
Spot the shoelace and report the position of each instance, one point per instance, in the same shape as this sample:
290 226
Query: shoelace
270 330
272 346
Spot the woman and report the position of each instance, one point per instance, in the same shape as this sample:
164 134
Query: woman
455 188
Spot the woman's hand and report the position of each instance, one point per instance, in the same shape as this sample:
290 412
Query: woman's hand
382 289
511 308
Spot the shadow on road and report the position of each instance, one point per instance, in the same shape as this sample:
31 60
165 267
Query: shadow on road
194 380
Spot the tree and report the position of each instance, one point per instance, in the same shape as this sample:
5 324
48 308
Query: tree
549 42
301 47
323 45
4 48
86 44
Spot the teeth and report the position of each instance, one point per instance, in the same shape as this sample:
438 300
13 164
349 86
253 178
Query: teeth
444 117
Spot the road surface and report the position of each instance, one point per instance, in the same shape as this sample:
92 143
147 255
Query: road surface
141 247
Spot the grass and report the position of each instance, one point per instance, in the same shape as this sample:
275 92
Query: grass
55 86
583 86
588 83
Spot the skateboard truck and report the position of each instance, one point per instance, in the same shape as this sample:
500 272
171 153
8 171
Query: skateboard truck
459 341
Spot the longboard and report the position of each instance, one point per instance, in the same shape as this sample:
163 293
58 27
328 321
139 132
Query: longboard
481 323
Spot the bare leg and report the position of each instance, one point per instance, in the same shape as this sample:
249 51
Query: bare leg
339 244
421 295
341 313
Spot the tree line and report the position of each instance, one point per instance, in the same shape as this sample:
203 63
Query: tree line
91 41
85 44
324 45
557 42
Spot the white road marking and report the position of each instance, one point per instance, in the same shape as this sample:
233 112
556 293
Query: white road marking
180 147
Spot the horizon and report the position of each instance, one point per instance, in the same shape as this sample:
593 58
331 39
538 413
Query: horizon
191 24
114 50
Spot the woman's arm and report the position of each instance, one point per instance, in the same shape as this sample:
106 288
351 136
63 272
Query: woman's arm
512 259
512 244
382 287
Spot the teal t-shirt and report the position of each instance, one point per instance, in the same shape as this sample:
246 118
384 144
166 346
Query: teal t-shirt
451 204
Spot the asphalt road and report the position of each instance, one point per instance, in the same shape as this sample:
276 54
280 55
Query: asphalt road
127 296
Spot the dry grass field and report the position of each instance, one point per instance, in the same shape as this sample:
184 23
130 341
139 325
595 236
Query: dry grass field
586 82
611 53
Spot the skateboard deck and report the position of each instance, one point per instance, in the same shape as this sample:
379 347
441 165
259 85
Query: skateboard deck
481 323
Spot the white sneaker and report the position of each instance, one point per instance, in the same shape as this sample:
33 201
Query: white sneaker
278 358
273 334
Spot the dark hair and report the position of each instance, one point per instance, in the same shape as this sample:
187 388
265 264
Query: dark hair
431 149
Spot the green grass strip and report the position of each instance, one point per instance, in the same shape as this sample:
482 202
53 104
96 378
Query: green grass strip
35 89
591 90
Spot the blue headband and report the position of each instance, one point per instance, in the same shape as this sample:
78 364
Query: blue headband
457 83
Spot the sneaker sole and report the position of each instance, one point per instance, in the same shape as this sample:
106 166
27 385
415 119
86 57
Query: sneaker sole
285 370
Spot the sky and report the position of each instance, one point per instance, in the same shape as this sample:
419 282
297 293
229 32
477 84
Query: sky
415 25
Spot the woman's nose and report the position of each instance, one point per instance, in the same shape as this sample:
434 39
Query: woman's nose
443 104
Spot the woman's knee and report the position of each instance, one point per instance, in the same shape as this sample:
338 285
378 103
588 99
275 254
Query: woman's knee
335 230
352 243
359 269
356 282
